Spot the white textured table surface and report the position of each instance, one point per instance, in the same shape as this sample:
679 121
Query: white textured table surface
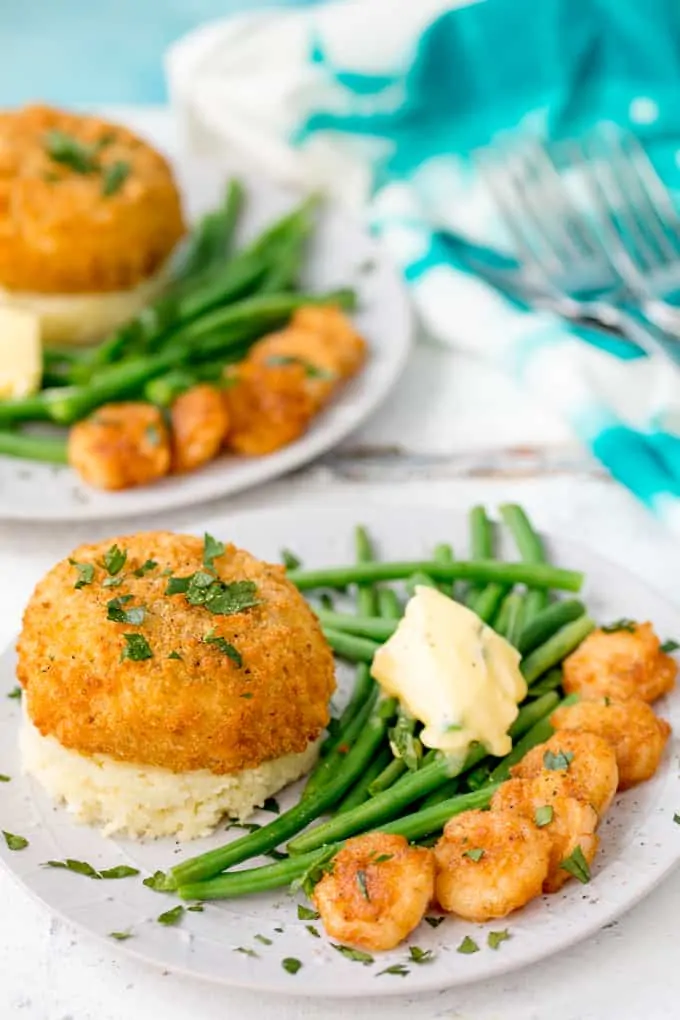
454 433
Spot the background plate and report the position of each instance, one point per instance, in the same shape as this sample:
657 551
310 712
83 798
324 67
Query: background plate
640 842
342 254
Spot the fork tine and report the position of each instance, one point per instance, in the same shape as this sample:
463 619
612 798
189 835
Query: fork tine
664 223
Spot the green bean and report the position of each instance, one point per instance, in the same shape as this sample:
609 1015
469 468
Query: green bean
443 553
359 792
422 823
509 619
539 733
556 648
342 742
481 546
486 603
530 549
389 775
349 646
547 621
43 448
400 736
297 818
419 578
477 778
373 627
367 601
389 607
539 575
550 682
211 240
444 792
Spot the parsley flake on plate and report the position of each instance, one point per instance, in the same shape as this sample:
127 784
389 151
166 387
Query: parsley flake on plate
356 955
114 177
434 922
85 573
245 951
313 931
136 648
120 936
160 881
290 560
494 938
264 940
15 842
577 865
5 779
306 914
196 908
419 955
676 818
172 916
83 868
398 969
15 693
670 646
544 815
559 762
468 946
291 965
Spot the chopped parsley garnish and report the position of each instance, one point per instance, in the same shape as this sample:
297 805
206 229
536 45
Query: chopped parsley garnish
607 701
559 762
145 568
121 936
83 868
363 887
218 597
15 693
325 600
264 940
291 965
313 931
114 177
136 648
475 854
272 804
468 946
577 865
212 548
494 938
356 955
315 872
117 614
419 955
676 818
311 371
434 922
617 625
245 951
224 646
398 969
544 815
404 744
175 655
172 916
85 573
80 157
5 779
305 914
290 560
196 908
247 695
381 858
159 882
112 582
248 826
670 646
114 560
15 842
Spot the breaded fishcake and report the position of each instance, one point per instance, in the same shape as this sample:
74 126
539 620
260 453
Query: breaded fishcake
620 664
200 422
268 407
120 446
637 735
190 705
86 206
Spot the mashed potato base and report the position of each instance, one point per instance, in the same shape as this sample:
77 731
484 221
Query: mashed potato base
146 801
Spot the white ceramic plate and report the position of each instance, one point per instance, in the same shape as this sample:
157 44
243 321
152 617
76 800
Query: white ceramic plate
342 254
640 842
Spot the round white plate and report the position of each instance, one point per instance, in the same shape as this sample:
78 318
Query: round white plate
640 841
341 254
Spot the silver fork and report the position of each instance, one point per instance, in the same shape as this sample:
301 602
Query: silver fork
567 252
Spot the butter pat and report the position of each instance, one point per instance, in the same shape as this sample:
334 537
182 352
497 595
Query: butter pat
453 673
20 353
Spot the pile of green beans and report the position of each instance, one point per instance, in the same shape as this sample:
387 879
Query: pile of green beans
220 301
361 782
